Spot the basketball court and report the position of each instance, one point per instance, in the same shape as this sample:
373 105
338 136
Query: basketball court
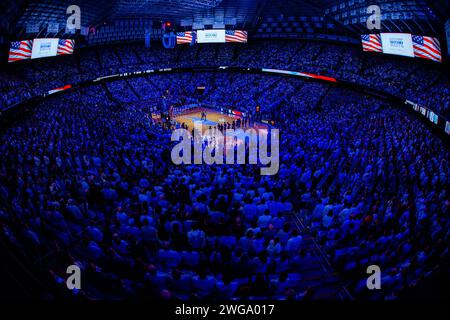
213 118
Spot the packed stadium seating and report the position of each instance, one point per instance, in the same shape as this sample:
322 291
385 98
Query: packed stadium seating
86 176
406 79
133 158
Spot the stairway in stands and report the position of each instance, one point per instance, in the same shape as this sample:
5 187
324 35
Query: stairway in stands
17 279
318 274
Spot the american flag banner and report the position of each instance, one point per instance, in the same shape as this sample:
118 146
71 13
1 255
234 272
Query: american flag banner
371 42
427 48
184 37
65 46
236 36
20 50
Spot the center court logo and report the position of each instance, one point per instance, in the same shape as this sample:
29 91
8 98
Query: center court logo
214 147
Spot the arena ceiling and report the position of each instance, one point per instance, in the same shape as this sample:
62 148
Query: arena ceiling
344 17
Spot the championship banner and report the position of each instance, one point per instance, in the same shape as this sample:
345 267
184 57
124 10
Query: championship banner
53 27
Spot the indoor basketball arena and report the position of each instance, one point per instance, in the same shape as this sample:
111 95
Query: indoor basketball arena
242 151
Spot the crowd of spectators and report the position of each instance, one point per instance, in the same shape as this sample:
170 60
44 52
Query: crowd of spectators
87 177
413 79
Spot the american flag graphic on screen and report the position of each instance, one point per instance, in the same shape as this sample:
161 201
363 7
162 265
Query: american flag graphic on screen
235 36
65 46
427 48
20 50
371 42
184 37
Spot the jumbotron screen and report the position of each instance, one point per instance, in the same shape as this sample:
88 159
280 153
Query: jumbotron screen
212 36
40 48
403 44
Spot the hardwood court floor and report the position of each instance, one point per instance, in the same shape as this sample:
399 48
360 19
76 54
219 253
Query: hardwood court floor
213 118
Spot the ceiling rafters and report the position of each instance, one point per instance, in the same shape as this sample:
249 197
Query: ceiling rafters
248 13
257 16
322 9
